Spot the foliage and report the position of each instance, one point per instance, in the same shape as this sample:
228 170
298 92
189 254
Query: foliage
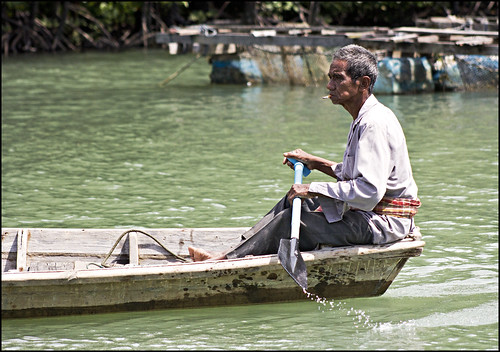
115 13
380 13
64 25
279 10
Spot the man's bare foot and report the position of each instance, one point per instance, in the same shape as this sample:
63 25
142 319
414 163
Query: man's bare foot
199 255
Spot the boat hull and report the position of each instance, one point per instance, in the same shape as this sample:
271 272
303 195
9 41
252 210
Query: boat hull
342 272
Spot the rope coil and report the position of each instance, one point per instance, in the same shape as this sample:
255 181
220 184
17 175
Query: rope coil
103 263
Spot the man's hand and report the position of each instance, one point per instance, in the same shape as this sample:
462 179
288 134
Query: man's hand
311 161
299 190
300 155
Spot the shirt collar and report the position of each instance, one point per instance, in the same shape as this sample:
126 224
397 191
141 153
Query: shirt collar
369 103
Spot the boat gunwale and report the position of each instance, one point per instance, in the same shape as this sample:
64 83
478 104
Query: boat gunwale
339 254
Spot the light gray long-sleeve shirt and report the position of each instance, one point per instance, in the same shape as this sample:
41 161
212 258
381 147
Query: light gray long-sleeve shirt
375 164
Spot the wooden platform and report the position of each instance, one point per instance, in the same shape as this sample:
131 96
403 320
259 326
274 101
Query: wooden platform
415 41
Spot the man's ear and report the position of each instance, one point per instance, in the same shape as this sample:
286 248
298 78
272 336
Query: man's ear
364 82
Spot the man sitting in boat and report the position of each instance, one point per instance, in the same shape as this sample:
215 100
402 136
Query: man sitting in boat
374 197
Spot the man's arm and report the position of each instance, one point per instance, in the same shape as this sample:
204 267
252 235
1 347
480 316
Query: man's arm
301 191
311 161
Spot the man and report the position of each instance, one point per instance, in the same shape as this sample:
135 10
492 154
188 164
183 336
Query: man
375 197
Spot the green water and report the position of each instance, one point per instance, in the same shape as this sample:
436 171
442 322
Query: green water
90 141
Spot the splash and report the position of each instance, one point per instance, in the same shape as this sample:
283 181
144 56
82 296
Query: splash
360 318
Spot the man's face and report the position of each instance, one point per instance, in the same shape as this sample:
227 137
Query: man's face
342 88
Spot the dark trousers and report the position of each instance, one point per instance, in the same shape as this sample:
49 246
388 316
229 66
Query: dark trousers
264 237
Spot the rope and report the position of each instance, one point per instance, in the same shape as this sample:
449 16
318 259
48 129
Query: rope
103 263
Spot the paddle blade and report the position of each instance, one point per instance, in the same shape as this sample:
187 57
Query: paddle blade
292 261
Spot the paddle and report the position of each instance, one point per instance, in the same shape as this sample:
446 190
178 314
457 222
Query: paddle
288 251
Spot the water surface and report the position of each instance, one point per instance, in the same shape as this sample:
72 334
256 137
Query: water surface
90 141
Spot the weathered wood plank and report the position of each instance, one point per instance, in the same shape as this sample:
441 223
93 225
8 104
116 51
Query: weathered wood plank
245 39
100 241
336 40
476 40
428 38
53 248
404 37
22 249
288 28
263 33
133 248
447 31
428 48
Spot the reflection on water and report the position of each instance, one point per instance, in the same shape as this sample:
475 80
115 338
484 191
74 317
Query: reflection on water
91 141
346 324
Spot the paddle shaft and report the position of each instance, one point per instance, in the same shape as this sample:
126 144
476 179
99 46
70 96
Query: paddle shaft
296 203
288 251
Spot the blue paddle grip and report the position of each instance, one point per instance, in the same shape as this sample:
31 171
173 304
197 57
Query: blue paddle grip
305 172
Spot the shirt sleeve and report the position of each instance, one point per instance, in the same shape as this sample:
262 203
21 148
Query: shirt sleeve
367 166
337 171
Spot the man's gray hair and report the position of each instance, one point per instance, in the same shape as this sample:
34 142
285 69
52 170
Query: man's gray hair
360 62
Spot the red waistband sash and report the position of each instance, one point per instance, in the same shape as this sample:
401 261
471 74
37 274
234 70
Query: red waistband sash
398 207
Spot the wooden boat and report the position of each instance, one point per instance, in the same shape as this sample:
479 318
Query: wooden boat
48 272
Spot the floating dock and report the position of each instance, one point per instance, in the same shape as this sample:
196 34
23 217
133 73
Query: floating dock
411 59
